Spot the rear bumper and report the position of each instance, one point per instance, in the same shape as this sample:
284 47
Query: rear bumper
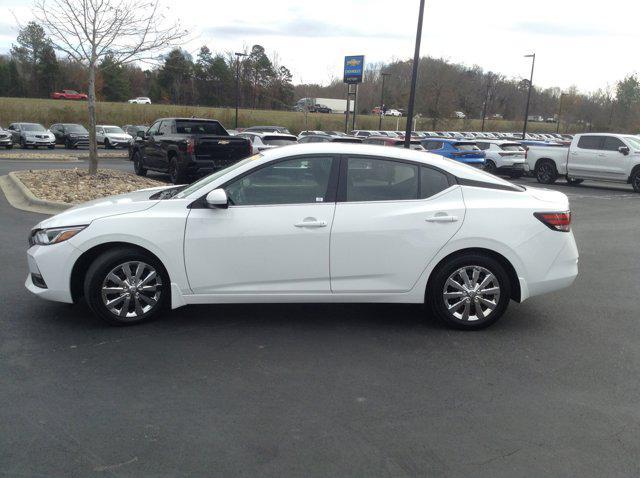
199 165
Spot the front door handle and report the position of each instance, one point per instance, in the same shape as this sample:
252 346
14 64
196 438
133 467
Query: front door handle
311 222
442 218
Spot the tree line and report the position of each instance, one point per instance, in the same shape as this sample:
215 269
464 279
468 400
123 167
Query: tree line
33 69
444 87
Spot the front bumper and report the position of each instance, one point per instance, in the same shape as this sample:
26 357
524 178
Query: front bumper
78 141
39 141
51 266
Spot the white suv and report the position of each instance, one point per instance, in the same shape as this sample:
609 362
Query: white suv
140 100
503 157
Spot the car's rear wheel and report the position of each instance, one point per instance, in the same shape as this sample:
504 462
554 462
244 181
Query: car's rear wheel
23 144
469 292
107 144
490 166
138 165
546 172
125 286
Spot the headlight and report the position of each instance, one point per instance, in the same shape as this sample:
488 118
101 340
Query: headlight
73 135
45 237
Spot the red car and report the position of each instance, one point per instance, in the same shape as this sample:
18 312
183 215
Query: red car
68 95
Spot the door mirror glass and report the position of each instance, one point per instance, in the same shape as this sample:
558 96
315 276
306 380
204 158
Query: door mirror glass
217 199
624 150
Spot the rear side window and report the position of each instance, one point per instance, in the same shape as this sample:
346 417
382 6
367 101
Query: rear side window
372 179
432 182
590 142
200 127
484 146
612 144
511 147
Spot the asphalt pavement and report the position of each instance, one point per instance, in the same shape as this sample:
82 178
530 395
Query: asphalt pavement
331 390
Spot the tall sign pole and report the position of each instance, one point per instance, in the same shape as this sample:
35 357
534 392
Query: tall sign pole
526 110
353 74
414 78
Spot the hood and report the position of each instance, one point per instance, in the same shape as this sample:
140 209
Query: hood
87 212
118 135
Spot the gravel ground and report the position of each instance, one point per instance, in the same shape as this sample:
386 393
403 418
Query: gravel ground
76 186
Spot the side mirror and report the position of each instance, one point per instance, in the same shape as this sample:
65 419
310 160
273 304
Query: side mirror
217 199
624 150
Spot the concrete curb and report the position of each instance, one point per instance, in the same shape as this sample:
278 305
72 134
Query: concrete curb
21 197
41 159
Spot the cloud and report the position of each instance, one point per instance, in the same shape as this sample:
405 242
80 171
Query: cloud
560 30
299 28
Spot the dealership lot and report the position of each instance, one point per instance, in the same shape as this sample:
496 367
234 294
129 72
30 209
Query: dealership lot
322 390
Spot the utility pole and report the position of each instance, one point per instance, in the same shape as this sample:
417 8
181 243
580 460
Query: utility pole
383 75
238 55
414 77
526 111
562 95
484 107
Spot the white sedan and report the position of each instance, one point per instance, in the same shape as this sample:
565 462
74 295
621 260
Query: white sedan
319 222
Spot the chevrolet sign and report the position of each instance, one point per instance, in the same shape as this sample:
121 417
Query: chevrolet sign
353 68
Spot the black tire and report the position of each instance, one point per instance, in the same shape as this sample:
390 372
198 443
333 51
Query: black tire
546 172
110 261
107 144
23 144
438 304
635 180
176 175
138 164
490 166
574 182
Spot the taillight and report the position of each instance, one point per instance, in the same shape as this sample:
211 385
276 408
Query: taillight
191 146
558 221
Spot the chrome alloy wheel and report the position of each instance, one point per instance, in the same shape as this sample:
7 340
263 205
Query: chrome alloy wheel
131 289
471 293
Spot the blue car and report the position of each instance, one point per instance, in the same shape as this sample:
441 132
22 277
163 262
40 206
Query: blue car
466 152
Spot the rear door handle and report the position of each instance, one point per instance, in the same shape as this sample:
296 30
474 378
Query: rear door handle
442 218
311 223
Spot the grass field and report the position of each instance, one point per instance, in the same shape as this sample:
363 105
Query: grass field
47 112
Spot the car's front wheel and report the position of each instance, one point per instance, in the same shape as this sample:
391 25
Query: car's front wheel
635 180
125 286
138 165
469 292
490 166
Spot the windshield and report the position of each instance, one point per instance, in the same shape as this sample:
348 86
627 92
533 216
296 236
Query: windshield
75 128
466 147
212 177
633 141
278 140
113 130
200 127
33 127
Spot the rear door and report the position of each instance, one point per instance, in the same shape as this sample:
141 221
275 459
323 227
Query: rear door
585 160
391 219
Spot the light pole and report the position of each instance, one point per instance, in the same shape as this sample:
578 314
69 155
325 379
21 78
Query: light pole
238 55
526 111
562 95
383 75
414 77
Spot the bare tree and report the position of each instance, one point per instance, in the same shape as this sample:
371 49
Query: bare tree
89 30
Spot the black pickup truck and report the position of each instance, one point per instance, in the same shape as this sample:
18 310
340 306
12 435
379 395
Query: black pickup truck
186 147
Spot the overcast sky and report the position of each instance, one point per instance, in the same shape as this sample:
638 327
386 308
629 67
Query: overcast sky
578 42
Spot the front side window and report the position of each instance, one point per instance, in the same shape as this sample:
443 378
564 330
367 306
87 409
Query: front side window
612 144
154 129
293 181
372 179
113 130
432 145
165 127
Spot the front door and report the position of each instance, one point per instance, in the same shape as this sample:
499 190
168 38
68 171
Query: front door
612 161
275 235
391 219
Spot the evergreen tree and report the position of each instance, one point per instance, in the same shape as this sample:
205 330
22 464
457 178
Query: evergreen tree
36 61
116 86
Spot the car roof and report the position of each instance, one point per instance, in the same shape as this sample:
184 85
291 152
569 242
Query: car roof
454 167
